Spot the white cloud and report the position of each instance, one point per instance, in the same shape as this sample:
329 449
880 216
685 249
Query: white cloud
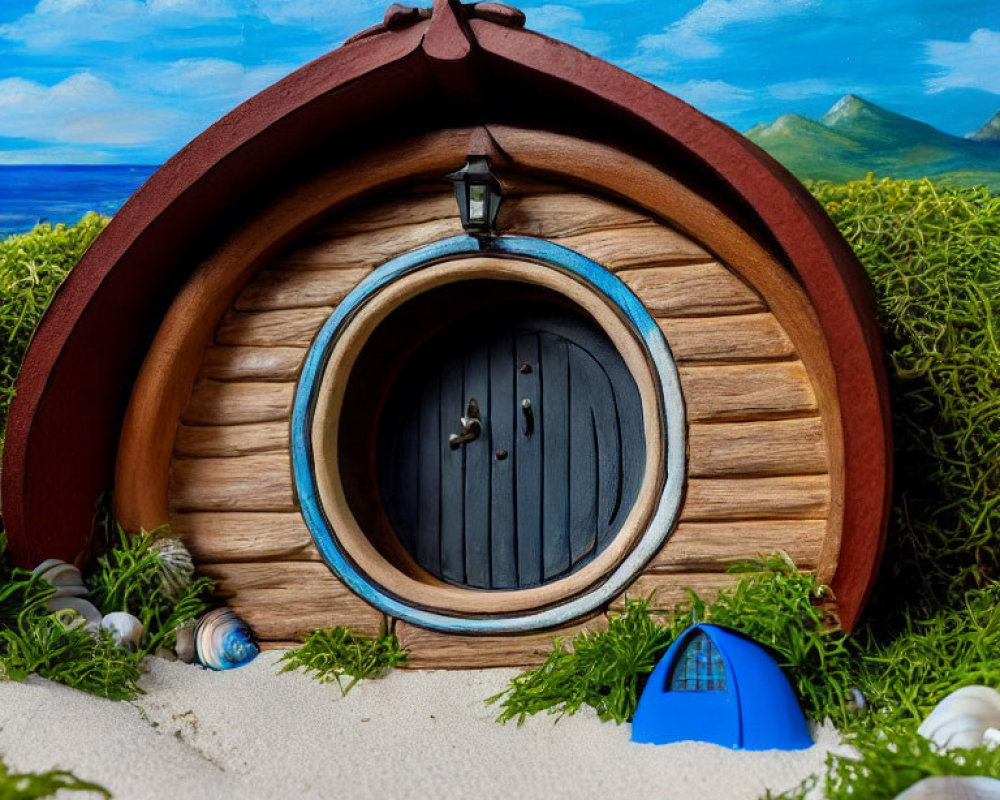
55 23
693 35
713 97
317 13
212 78
80 110
974 64
568 25
808 87
56 155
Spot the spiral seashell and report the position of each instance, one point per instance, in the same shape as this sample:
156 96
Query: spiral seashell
963 718
176 566
66 578
223 640
953 787
125 629
84 608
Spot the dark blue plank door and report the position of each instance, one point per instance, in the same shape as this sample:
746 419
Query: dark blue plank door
556 466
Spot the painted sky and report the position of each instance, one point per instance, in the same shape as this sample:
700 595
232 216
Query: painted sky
95 81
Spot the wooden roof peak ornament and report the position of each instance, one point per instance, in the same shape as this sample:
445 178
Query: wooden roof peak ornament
399 17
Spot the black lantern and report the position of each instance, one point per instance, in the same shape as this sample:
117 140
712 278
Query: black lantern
479 195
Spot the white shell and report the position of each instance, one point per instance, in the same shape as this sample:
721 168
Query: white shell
962 718
84 608
953 787
65 577
223 640
185 648
125 629
176 565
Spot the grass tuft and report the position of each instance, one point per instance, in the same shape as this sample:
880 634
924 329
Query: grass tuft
775 605
33 641
32 785
603 669
881 767
129 578
338 655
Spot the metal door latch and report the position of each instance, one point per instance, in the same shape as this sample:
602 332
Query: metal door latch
529 417
472 426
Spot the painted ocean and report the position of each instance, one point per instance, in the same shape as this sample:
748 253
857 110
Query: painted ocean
33 194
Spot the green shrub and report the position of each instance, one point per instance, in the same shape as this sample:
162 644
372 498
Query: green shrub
933 255
331 654
32 785
32 265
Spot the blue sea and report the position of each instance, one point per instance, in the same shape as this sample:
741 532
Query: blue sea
33 194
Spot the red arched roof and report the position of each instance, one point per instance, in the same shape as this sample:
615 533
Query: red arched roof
466 64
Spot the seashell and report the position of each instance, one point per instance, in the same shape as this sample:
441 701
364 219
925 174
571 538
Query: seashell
176 566
856 701
125 629
223 640
84 608
953 787
66 578
963 718
185 648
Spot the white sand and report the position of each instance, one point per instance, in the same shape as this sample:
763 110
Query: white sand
250 733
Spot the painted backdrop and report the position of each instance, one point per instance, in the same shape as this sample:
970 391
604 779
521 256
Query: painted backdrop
833 88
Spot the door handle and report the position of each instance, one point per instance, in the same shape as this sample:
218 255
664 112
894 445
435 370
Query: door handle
472 426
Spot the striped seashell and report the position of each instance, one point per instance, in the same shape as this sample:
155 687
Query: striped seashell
66 578
953 787
176 566
964 718
184 649
223 640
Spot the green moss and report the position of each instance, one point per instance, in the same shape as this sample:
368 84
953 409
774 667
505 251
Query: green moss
32 266
31 785
332 655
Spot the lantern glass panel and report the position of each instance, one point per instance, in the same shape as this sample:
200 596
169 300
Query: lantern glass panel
477 203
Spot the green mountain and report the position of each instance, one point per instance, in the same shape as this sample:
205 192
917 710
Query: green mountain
990 132
856 137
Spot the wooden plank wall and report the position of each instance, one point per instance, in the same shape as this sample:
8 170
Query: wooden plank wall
758 476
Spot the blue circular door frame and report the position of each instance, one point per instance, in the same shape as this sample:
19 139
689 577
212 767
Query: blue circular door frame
672 415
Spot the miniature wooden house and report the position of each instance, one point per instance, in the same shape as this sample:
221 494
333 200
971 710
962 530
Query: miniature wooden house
659 358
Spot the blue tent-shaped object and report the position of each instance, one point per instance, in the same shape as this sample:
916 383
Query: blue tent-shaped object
714 685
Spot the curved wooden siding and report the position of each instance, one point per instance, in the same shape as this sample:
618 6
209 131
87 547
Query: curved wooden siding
757 450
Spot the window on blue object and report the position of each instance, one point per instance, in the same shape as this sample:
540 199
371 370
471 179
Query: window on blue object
698 668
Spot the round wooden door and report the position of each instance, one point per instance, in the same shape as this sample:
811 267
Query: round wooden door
510 447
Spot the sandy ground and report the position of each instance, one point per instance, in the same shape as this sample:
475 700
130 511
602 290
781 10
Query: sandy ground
251 733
